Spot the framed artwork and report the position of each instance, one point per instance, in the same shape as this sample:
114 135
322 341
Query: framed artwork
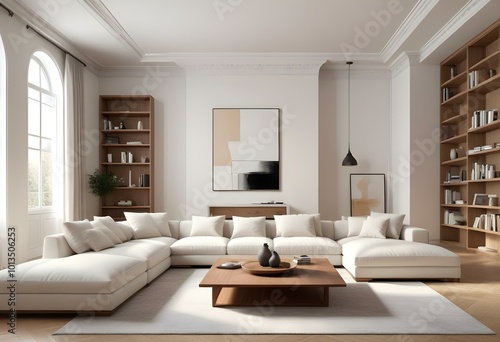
245 149
367 193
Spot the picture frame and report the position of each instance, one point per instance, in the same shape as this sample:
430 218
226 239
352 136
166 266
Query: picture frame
367 193
245 149
480 199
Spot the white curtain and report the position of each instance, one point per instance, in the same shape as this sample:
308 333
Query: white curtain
75 176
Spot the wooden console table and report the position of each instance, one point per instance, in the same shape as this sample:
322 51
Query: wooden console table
249 210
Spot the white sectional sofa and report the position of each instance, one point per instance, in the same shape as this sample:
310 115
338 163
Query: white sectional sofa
100 280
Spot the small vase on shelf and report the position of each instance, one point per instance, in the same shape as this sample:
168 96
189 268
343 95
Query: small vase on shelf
275 260
264 255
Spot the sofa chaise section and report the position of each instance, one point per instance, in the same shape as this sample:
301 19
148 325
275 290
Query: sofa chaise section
81 282
410 257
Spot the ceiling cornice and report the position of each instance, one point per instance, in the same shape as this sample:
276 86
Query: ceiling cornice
247 63
459 19
108 21
412 21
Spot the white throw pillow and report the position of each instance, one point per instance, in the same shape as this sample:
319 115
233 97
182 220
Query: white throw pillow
126 229
73 232
161 222
249 226
142 225
106 231
97 240
374 228
294 225
207 226
355 223
317 224
111 224
395 223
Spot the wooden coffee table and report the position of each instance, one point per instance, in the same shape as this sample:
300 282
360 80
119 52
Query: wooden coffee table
306 285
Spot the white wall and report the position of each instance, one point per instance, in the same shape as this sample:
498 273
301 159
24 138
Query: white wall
415 143
295 95
370 128
399 179
425 148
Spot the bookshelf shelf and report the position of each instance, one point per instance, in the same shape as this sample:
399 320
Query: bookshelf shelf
470 93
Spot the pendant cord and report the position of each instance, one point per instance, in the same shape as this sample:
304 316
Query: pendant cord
349 107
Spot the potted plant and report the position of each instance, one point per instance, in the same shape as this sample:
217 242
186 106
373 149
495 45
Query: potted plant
103 183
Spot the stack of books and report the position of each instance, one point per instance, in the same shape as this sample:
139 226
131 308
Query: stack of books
302 259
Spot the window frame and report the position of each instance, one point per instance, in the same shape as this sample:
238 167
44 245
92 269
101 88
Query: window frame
54 137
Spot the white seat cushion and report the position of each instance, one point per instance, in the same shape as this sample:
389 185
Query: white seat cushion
89 272
142 249
247 245
200 245
370 252
306 245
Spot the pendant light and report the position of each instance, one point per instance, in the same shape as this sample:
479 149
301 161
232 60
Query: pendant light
349 160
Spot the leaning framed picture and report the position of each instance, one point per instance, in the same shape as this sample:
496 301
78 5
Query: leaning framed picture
367 193
245 149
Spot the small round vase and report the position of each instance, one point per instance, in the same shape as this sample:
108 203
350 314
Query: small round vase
275 260
453 154
264 255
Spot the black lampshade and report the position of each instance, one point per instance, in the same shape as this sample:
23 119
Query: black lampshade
349 160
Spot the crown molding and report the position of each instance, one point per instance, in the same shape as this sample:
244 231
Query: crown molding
459 19
411 22
143 70
108 21
243 63
403 62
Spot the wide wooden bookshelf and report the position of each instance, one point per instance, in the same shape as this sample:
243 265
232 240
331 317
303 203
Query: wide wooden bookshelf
127 150
470 143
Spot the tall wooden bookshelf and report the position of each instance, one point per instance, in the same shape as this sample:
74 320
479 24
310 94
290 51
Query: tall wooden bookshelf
470 134
127 151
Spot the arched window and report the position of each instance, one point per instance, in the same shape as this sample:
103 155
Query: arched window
44 143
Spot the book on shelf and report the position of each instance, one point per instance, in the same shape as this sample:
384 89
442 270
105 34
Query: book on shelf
454 217
482 171
452 196
490 222
448 93
483 117
478 76
453 175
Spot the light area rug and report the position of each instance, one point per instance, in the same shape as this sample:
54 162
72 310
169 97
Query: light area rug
175 304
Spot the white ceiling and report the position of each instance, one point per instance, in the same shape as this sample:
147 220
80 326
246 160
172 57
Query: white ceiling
129 33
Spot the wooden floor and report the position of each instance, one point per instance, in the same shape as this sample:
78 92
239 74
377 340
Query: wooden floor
478 293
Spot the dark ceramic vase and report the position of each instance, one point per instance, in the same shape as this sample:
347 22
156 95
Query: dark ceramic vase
264 255
275 260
